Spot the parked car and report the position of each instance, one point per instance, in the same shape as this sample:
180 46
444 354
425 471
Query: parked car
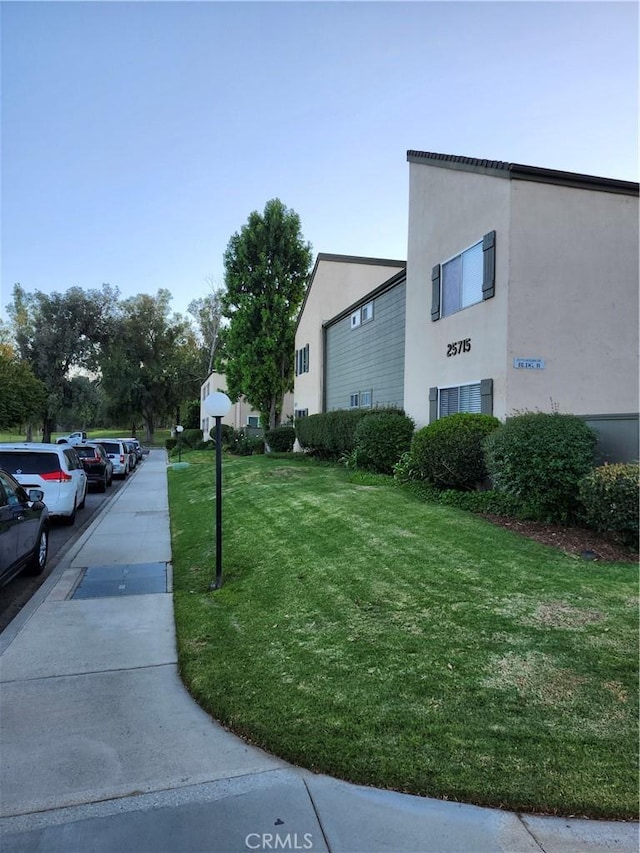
53 468
24 529
118 454
74 438
96 463
137 446
131 450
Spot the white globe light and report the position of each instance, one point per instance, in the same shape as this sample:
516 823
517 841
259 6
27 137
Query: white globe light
179 428
217 405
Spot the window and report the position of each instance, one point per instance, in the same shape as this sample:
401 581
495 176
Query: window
302 360
355 319
301 413
464 280
253 421
473 397
365 399
463 398
367 312
354 401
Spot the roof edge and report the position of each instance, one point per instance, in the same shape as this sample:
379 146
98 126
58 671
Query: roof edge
373 294
522 172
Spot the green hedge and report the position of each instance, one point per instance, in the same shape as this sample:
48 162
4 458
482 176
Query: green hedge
281 439
331 434
610 496
191 438
450 451
381 439
540 459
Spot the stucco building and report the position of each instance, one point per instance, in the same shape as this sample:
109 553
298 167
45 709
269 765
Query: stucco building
520 293
241 415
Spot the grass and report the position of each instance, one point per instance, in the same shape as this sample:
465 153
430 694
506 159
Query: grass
159 436
370 636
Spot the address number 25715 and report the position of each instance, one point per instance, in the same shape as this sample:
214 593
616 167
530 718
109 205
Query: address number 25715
458 347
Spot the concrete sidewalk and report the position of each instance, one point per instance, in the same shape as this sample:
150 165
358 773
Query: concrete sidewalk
102 748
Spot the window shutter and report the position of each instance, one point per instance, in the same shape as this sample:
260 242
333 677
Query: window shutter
433 405
486 396
297 362
489 265
435 293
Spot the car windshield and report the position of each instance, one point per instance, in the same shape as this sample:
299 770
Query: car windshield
111 446
87 452
27 462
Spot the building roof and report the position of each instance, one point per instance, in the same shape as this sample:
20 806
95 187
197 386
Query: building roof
518 171
345 259
395 279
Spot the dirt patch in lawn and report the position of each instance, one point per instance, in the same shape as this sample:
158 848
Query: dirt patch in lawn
571 540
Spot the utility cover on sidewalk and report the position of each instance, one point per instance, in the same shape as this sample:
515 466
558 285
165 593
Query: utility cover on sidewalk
133 579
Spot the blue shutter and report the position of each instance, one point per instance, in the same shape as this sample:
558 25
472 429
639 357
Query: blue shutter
489 265
435 293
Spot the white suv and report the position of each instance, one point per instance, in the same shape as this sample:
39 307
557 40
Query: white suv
54 468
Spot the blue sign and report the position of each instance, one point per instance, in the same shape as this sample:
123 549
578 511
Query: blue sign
529 363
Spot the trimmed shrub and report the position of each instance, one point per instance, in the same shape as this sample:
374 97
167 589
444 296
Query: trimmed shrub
170 443
540 459
450 451
610 496
191 438
227 433
331 434
243 445
491 501
281 439
380 440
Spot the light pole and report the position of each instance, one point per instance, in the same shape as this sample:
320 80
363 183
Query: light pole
217 405
179 430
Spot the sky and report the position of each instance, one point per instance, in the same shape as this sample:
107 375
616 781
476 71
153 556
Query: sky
137 137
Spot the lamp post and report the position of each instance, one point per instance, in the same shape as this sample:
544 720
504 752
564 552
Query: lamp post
217 405
179 430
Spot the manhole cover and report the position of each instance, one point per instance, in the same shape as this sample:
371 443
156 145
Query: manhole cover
133 579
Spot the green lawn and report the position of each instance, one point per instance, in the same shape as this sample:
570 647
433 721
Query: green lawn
370 636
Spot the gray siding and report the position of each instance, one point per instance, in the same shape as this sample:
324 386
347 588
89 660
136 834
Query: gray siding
370 357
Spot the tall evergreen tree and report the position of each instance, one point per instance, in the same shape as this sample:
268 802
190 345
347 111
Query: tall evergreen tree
266 272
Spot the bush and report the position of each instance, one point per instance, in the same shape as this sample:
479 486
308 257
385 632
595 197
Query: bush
610 496
281 439
170 443
450 451
490 501
227 433
540 459
381 439
243 445
333 433
191 438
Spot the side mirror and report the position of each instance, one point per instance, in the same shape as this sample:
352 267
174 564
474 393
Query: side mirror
35 495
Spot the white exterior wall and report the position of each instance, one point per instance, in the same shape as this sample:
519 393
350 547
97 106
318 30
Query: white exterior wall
336 284
566 291
449 211
573 299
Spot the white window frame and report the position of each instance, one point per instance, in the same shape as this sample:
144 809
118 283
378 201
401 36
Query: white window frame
442 266
354 400
362 397
253 418
356 318
456 385
366 315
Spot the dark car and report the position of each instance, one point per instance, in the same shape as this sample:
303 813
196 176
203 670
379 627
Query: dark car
96 463
24 529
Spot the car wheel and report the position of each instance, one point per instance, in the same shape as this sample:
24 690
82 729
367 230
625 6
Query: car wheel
38 558
70 519
102 485
110 481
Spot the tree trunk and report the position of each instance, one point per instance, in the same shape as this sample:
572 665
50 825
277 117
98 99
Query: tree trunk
48 426
29 435
147 418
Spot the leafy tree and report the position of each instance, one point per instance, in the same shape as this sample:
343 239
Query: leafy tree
207 312
22 396
152 363
266 271
55 332
84 401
